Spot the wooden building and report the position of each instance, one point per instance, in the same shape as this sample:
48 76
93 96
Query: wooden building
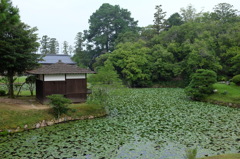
61 78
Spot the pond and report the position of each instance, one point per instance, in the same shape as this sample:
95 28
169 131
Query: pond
142 123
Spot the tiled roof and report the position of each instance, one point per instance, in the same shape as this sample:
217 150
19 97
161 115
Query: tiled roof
54 58
59 68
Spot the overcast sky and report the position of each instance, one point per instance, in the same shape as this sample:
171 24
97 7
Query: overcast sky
63 19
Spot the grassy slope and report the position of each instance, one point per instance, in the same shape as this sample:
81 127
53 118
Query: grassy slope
226 93
226 156
12 116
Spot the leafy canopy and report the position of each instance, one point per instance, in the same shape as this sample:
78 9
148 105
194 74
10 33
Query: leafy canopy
106 24
201 84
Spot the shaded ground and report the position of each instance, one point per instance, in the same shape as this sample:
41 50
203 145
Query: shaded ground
21 103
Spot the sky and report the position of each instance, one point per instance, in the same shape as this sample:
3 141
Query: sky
63 19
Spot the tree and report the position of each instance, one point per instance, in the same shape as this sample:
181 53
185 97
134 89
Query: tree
59 104
202 56
189 14
18 42
106 75
128 36
162 63
105 26
224 12
131 61
70 49
82 57
30 81
65 48
159 21
45 45
174 20
201 84
53 46
9 16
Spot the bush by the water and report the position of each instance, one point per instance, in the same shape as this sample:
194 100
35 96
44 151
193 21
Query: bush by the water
2 92
59 104
201 84
236 80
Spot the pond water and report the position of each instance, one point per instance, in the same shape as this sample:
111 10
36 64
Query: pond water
142 123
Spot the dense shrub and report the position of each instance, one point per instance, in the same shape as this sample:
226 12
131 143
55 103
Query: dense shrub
2 92
201 84
106 75
59 104
236 80
99 94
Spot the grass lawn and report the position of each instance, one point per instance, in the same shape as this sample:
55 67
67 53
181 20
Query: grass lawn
26 111
226 93
226 156
20 79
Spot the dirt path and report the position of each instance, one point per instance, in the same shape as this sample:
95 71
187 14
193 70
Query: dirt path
21 103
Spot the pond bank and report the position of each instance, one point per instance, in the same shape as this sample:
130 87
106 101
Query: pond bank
45 123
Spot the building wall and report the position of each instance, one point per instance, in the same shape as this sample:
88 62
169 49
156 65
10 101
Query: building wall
75 76
58 77
74 87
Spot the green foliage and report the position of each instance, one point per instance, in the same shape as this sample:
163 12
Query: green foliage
53 46
18 42
99 94
191 153
105 25
131 61
236 79
159 21
30 81
224 12
2 92
201 84
106 75
59 104
189 14
162 64
174 20
44 49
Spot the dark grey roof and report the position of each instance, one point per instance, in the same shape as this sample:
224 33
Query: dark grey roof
53 58
59 68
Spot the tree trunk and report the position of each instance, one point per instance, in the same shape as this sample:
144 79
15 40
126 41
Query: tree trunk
10 82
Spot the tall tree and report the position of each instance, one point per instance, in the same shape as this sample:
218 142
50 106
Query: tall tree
174 20
189 14
131 61
53 46
224 12
106 24
159 21
79 41
65 48
80 56
9 16
70 49
45 45
17 43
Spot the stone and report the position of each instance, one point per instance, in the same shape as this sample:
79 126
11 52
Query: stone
18 128
25 126
37 125
91 117
43 123
50 123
